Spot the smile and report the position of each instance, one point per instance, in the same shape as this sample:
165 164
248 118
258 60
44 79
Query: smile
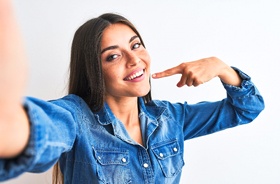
135 75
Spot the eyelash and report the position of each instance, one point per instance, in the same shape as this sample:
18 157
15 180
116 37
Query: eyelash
138 43
114 56
111 57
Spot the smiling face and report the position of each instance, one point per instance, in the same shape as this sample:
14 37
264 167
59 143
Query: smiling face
125 63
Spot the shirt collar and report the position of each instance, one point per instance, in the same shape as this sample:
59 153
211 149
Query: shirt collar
106 116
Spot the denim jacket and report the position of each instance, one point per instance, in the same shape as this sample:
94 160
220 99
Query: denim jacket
96 148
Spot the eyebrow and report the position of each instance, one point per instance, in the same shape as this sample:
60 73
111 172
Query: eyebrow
116 46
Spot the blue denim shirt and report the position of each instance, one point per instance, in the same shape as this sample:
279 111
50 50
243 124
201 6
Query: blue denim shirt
96 148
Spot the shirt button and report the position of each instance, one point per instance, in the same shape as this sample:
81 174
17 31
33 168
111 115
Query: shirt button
161 155
175 149
145 165
123 160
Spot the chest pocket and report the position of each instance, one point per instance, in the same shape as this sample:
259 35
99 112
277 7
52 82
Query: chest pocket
113 166
108 157
169 156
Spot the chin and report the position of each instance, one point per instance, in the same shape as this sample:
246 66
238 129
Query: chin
143 92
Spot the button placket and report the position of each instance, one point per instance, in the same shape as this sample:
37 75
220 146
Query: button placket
145 165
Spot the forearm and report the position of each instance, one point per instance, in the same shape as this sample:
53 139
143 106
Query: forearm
14 127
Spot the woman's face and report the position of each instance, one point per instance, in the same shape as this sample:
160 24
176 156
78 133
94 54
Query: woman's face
125 63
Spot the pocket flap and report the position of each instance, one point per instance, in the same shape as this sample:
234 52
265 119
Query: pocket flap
166 149
108 157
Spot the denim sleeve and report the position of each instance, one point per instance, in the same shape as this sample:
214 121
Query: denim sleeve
53 131
242 105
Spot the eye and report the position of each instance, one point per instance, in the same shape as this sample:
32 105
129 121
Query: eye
111 57
136 45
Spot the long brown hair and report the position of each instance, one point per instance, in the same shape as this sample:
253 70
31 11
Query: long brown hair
86 78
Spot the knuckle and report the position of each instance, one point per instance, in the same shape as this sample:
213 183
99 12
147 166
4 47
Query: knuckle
182 65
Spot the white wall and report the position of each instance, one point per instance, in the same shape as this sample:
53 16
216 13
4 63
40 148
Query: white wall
243 33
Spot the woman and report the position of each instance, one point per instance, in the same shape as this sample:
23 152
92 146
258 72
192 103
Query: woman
108 129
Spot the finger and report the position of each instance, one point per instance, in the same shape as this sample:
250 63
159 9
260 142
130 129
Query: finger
182 81
190 81
197 83
167 73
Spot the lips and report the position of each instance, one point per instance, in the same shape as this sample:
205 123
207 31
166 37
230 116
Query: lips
134 75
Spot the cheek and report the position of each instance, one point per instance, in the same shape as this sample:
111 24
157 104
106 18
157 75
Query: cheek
107 76
112 75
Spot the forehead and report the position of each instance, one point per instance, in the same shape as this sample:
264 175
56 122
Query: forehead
115 34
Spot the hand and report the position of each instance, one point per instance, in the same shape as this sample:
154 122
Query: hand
198 72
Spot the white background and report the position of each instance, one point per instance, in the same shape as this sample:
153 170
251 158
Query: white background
243 33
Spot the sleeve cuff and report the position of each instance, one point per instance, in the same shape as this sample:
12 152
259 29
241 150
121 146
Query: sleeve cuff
24 162
245 84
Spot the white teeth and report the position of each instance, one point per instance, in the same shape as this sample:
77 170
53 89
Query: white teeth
137 74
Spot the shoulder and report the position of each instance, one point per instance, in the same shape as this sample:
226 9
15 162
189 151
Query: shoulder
66 101
72 104
70 100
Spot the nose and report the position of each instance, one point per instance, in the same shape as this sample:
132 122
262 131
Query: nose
132 59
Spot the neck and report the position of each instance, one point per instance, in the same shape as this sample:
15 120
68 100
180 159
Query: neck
125 109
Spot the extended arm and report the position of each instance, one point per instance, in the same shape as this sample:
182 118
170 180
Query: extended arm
14 126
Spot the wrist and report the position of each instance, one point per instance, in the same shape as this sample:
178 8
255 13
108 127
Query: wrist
230 76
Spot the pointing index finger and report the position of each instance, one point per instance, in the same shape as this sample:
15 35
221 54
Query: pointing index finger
167 73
